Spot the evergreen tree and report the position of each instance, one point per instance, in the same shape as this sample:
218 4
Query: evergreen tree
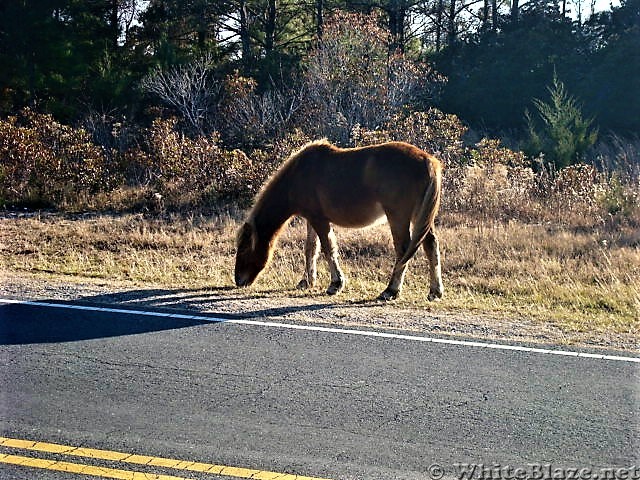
62 56
561 133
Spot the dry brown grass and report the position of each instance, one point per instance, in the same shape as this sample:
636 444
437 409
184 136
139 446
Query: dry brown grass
577 281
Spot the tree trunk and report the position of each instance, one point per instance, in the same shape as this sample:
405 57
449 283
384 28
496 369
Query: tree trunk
245 40
201 14
319 17
113 24
451 29
494 15
485 16
439 16
397 15
515 10
270 27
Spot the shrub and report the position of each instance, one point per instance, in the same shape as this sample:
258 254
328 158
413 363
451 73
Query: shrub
199 172
433 131
190 89
494 183
490 151
46 163
619 160
249 119
191 170
621 199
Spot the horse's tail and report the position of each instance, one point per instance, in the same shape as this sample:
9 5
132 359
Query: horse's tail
427 211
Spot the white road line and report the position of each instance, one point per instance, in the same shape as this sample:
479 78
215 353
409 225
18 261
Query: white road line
342 331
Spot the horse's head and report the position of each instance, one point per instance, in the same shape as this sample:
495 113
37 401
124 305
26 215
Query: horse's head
251 258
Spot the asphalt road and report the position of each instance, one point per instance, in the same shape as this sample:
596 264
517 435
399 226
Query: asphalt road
308 402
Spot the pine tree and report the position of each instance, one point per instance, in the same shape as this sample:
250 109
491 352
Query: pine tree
561 132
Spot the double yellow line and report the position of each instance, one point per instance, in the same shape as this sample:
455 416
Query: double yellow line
180 465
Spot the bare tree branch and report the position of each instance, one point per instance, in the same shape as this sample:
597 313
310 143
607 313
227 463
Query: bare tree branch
188 88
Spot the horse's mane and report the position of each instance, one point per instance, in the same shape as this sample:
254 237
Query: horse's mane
285 168
322 144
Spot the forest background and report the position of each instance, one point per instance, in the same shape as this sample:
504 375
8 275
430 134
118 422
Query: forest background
98 96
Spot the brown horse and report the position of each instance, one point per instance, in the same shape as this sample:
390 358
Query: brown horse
350 187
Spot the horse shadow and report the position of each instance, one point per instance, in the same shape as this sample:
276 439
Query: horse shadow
22 323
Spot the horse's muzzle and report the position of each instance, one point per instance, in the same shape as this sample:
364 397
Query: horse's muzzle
242 281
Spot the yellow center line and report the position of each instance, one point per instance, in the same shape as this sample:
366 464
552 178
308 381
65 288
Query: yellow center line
82 469
183 465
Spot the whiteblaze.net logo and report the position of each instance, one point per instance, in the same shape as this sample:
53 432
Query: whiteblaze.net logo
469 471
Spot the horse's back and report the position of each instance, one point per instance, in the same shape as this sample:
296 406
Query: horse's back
354 187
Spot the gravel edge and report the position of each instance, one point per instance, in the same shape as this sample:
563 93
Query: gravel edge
314 309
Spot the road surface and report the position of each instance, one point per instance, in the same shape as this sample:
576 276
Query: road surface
263 400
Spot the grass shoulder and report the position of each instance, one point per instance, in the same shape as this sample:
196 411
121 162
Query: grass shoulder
515 281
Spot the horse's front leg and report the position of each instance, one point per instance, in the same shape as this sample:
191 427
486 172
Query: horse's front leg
311 253
330 249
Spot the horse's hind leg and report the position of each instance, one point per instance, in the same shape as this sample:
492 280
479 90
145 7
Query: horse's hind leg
432 249
311 252
401 238
330 249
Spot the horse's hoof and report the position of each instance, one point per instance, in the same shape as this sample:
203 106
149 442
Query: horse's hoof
388 295
434 294
303 284
335 288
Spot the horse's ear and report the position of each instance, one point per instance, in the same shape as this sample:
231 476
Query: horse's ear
247 236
